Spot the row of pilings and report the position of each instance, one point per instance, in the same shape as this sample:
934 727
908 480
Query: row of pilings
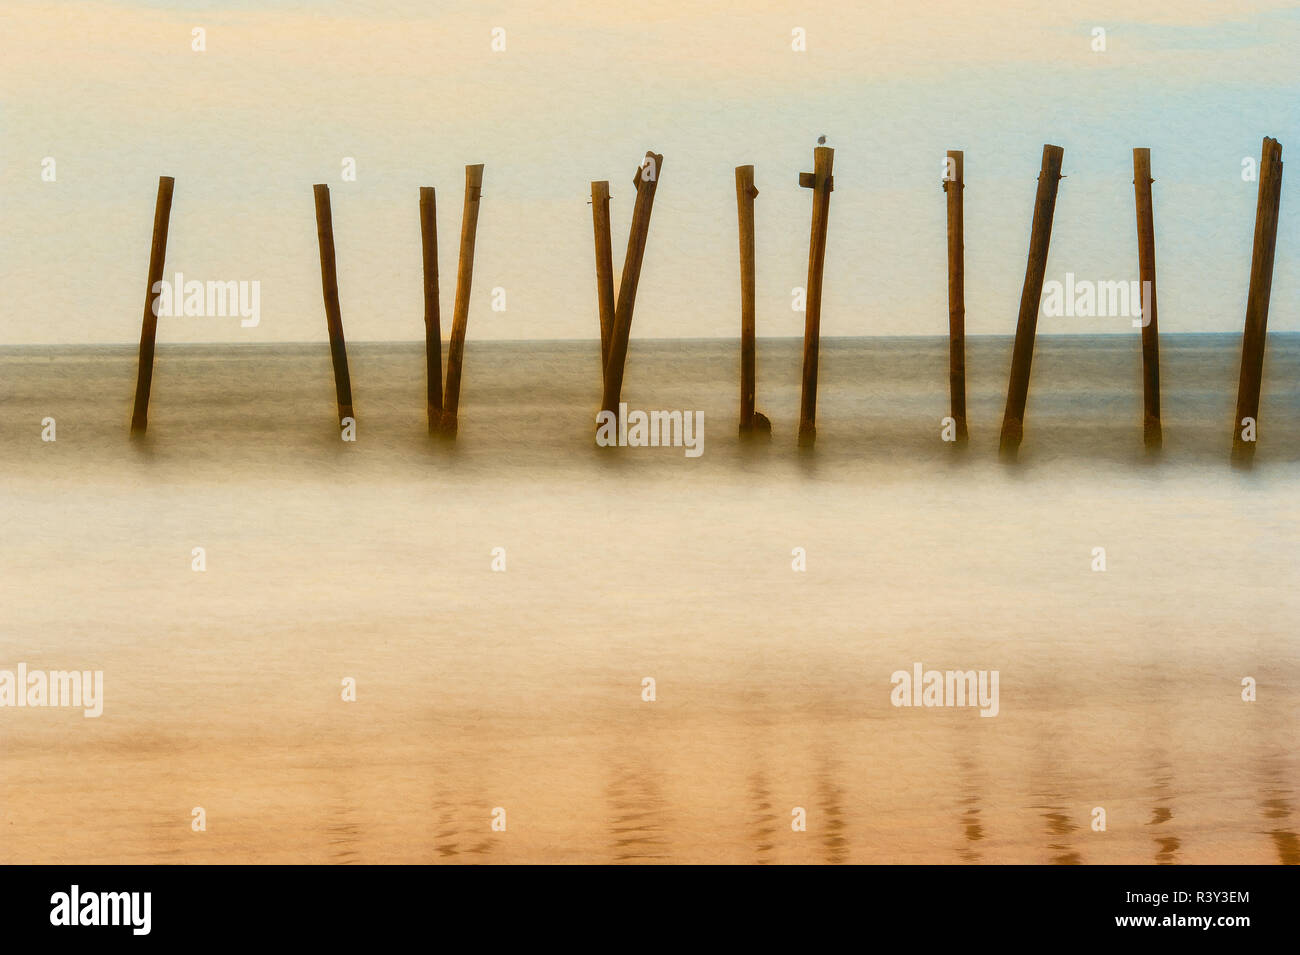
615 310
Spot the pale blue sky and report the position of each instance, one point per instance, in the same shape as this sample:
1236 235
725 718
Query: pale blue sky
413 91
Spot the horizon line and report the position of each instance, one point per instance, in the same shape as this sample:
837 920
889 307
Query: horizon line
596 341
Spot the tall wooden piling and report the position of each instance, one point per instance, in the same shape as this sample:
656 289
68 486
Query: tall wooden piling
1261 284
1022 356
464 278
821 182
604 266
330 288
751 421
162 213
1152 436
432 315
954 185
646 181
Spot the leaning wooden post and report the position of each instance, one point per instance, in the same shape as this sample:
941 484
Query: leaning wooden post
646 181
1152 436
750 420
162 212
432 316
604 266
1253 336
464 277
821 182
954 185
1040 236
330 287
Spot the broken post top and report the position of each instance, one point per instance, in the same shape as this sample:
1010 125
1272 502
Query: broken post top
473 182
324 218
1270 158
1142 166
820 178
952 169
1052 156
745 181
649 169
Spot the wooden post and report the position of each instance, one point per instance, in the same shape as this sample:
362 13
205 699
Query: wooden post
162 213
954 185
646 181
750 419
432 316
1152 436
604 266
1040 236
330 287
745 193
1261 285
821 182
464 277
